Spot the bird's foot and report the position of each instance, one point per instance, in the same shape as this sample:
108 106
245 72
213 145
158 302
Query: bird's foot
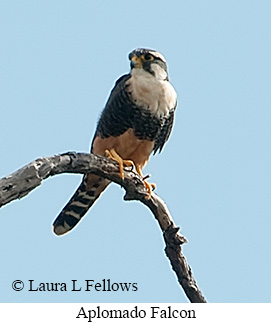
112 154
149 186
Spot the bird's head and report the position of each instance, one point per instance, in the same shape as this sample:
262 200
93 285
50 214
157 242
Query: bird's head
149 60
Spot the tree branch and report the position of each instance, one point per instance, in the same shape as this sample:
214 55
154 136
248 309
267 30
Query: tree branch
24 180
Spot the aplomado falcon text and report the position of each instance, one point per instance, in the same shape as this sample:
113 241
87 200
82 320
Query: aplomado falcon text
163 312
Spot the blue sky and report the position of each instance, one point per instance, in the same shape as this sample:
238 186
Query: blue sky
58 62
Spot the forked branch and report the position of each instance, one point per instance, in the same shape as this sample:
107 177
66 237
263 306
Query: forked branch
24 180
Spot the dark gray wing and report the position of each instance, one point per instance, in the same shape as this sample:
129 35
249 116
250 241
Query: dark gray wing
116 116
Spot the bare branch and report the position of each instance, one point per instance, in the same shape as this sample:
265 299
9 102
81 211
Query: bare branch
23 181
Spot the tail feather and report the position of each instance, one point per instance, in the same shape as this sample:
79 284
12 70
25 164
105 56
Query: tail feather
84 197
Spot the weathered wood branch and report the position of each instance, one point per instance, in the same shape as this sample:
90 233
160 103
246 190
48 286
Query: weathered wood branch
24 180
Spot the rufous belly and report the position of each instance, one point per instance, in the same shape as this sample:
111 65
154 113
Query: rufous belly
127 145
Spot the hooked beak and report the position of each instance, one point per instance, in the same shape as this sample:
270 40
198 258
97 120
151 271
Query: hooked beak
136 62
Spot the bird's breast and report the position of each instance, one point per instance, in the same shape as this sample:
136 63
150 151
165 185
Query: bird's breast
156 96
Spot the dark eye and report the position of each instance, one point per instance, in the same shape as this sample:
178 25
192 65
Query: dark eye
148 56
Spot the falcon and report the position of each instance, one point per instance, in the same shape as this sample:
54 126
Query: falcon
136 121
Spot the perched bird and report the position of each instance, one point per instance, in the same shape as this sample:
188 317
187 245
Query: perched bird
136 121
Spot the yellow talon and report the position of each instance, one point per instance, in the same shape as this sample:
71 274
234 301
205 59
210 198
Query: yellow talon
112 154
149 186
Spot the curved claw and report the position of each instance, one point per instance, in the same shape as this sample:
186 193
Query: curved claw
149 186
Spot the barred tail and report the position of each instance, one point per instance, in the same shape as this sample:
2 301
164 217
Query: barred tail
87 193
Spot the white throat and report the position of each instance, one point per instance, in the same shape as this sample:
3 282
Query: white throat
152 93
